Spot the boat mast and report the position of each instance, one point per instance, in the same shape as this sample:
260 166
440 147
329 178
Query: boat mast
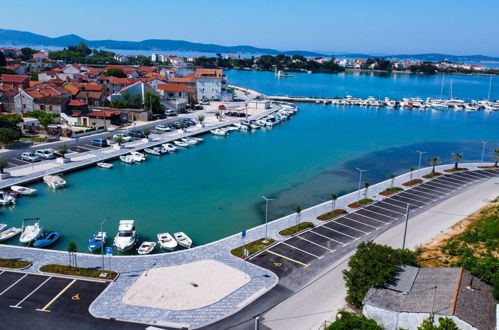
490 89
451 89
442 87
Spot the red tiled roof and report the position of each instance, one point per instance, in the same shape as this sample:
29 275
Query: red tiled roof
14 78
103 113
122 81
76 103
147 69
172 87
208 73
33 93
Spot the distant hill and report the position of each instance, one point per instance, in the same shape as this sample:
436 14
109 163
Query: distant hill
14 37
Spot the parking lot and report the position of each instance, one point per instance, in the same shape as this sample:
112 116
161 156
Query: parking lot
301 251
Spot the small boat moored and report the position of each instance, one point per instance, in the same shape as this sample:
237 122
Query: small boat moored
47 239
54 181
23 190
152 151
169 147
181 143
127 236
146 248
7 199
2 226
9 233
137 156
31 232
104 165
127 159
166 241
183 240
97 241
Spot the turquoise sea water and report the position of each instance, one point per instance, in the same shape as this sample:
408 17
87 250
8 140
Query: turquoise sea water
213 190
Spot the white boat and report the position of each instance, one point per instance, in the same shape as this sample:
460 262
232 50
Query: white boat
219 132
31 232
7 199
2 226
152 151
126 237
54 181
23 190
104 165
127 159
181 143
161 150
254 126
9 233
137 156
182 239
146 248
170 147
189 141
166 241
197 139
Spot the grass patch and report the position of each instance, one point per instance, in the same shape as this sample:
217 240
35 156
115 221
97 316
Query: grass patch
431 175
360 203
412 182
35 139
331 214
79 271
14 263
296 229
252 247
452 170
390 191
488 166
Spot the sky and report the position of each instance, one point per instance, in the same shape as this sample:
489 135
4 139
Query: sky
456 27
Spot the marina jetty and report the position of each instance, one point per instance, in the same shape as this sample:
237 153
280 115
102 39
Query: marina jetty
407 103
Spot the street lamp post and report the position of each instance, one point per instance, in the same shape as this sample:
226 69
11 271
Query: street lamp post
405 225
102 244
420 157
266 215
360 180
483 150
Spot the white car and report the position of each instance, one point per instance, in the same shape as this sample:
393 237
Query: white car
30 157
44 154
125 138
163 128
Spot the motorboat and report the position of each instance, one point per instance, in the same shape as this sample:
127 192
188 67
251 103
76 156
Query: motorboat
9 233
189 141
197 139
161 150
127 236
47 239
104 165
183 240
169 147
7 199
127 159
97 241
219 132
2 226
31 232
137 156
146 248
152 151
54 181
166 241
181 143
24 190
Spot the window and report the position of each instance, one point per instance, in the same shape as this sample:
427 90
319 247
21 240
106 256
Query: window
50 108
42 107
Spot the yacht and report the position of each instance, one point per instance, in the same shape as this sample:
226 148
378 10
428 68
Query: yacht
54 181
126 237
169 147
23 190
166 241
183 240
31 232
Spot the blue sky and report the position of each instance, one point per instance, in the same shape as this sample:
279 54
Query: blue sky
375 26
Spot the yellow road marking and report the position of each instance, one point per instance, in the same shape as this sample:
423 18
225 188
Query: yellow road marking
278 264
76 297
44 309
293 260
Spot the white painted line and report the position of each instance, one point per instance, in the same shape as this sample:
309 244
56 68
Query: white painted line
472 176
19 280
38 287
431 185
484 174
408 200
446 184
328 238
432 191
384 208
2 272
361 223
294 247
367 217
457 180
383 215
345 233
419 196
303 238
421 191
390 201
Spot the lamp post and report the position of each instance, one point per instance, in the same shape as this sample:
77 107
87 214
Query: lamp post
483 150
102 245
420 157
360 180
266 215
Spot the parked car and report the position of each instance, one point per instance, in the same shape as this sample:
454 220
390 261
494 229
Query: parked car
198 107
44 154
221 107
205 103
160 116
100 142
163 128
135 133
30 157
170 112
125 138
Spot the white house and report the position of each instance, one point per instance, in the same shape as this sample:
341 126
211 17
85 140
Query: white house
209 84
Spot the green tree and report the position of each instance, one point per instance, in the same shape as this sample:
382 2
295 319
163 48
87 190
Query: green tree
445 323
152 102
351 321
366 186
3 164
456 157
147 132
115 72
373 265
27 53
72 248
8 135
392 177
496 156
33 76
46 120
3 62
298 216
117 103
63 150
83 48
433 163
12 119
6 71
334 197
118 139
201 119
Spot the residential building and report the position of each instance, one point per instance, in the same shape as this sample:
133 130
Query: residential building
117 84
209 84
173 96
419 293
15 81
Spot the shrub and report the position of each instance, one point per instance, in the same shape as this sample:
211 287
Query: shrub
331 214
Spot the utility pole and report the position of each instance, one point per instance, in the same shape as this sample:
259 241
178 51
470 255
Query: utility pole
102 242
405 226
266 215
483 150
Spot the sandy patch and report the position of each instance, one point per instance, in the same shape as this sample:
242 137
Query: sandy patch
171 287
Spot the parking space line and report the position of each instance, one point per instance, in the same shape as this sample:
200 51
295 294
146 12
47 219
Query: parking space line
361 223
484 174
419 196
384 215
457 180
390 201
408 201
296 248
303 238
463 176
345 234
472 176
292 260
44 309
38 287
445 184
19 280
370 218
437 186
328 238
384 208
430 191
425 192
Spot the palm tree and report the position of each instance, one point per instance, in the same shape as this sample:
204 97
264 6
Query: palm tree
496 157
63 150
72 248
392 176
147 132
456 157
433 162
201 119
366 185
334 197
118 138
298 214
412 170
217 114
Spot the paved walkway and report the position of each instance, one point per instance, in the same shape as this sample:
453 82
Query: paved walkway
110 304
